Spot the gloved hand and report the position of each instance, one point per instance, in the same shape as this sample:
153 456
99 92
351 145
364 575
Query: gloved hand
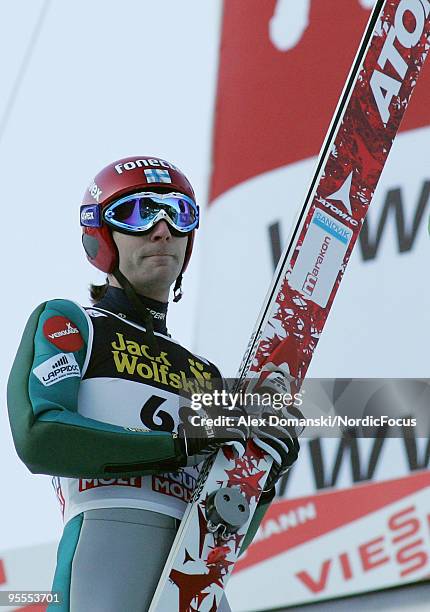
277 381
277 439
202 432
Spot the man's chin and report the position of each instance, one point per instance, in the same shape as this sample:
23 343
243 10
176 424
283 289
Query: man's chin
159 275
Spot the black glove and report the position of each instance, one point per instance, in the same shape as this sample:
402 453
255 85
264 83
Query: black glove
199 437
279 441
271 435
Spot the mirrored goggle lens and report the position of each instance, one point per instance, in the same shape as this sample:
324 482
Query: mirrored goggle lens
139 212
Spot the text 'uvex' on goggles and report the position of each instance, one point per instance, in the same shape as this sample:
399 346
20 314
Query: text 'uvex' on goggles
139 212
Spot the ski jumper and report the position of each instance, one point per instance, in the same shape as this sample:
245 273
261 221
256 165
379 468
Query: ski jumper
90 405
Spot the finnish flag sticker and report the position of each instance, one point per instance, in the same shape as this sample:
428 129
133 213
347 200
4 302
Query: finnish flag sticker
155 175
320 257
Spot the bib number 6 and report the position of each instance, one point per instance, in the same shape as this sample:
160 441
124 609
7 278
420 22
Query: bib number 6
155 419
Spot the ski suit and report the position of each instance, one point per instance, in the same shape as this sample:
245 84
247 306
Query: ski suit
91 406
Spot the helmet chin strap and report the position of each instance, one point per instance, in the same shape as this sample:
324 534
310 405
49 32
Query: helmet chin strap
177 289
139 308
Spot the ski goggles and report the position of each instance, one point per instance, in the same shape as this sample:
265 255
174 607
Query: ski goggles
139 212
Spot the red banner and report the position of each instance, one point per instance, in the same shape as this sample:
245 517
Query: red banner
282 68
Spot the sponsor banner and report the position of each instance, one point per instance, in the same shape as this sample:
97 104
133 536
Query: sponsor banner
263 158
332 544
287 87
383 303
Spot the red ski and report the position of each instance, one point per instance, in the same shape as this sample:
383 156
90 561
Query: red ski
366 121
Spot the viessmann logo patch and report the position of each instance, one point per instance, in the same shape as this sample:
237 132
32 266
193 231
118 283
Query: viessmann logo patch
63 333
57 368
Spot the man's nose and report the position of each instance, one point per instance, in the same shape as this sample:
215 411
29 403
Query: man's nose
160 231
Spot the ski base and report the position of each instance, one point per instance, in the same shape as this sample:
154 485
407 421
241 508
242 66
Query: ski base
201 562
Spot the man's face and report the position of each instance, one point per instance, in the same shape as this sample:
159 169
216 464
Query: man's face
151 262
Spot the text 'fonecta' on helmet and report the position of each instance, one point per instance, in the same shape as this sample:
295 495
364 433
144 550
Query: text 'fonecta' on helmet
116 180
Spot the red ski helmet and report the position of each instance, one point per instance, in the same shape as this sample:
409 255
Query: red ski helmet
114 181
